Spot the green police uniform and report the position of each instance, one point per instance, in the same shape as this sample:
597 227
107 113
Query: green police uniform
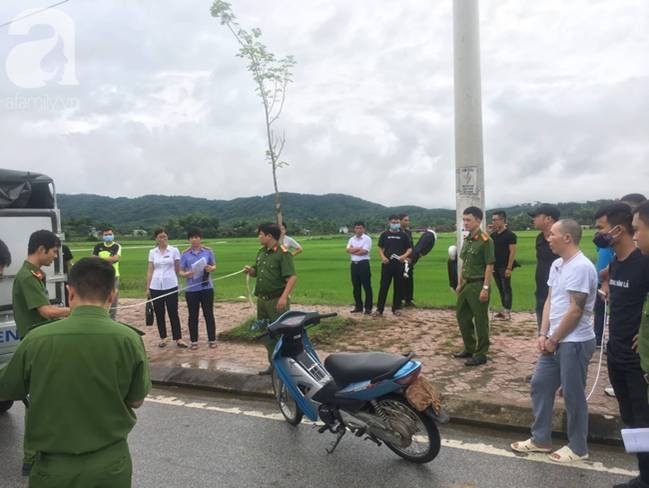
28 294
81 373
272 267
472 314
643 339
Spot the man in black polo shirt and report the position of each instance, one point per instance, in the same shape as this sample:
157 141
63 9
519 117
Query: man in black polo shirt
544 218
394 248
505 251
628 280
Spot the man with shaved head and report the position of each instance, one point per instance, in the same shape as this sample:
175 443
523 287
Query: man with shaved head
566 343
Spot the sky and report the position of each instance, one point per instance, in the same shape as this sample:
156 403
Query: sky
129 98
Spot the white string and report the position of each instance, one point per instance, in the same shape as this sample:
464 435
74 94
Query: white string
601 350
151 300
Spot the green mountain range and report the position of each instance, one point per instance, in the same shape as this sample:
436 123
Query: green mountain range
317 213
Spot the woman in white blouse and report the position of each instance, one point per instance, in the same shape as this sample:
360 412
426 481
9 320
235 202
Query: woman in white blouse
162 279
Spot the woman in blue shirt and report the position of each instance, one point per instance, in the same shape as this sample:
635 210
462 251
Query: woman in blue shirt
196 264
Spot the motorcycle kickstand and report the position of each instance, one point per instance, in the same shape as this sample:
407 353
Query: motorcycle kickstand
341 432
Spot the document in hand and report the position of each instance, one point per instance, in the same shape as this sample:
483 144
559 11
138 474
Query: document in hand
636 440
198 267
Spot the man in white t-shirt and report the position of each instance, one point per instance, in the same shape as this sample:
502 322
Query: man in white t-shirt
566 343
358 248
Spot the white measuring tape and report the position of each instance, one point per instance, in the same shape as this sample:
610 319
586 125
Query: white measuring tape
601 349
151 300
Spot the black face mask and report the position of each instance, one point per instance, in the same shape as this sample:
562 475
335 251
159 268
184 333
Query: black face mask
603 240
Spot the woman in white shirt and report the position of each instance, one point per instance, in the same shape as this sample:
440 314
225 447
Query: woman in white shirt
162 279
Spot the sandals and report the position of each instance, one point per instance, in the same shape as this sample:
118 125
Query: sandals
182 344
528 446
162 344
194 346
566 455
212 345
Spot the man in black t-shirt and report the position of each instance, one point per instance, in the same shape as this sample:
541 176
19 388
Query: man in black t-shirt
628 280
544 218
505 251
394 248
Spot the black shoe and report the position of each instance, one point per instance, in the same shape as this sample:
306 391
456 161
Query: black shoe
368 312
409 305
356 310
476 361
462 355
266 371
634 483
27 469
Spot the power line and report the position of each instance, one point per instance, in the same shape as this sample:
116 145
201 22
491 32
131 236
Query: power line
34 13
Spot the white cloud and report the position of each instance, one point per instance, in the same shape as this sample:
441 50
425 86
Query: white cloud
165 106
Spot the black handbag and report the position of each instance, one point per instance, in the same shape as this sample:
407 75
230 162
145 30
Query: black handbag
148 312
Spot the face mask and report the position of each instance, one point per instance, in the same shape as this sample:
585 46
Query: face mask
109 238
395 226
603 240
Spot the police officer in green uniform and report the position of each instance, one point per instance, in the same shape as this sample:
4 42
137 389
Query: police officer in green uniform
472 307
85 375
276 278
31 305
641 237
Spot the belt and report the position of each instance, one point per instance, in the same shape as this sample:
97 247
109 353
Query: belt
473 280
269 297
361 261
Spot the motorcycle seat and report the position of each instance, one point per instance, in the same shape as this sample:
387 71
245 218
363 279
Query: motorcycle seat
348 367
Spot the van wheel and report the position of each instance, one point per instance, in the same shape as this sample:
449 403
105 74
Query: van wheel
5 405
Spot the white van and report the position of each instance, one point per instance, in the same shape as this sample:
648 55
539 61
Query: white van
27 204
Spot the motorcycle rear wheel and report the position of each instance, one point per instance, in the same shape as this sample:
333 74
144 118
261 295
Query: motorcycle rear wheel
287 404
426 440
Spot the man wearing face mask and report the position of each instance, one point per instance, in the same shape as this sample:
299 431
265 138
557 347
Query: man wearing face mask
394 249
628 283
110 251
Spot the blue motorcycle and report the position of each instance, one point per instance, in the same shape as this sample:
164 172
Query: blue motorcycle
373 395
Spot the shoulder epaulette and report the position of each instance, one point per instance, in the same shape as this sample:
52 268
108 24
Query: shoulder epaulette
39 275
139 332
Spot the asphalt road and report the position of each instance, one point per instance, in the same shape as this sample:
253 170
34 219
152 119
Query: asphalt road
190 439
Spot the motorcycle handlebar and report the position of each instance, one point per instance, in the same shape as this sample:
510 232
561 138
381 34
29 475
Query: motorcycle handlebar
327 315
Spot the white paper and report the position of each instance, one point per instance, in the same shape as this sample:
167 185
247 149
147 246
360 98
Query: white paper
198 267
636 440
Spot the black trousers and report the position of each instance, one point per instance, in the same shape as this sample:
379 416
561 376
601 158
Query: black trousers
504 286
409 284
631 392
392 271
600 309
201 299
362 277
171 302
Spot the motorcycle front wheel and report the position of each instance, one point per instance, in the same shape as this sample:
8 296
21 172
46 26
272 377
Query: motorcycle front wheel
287 404
425 440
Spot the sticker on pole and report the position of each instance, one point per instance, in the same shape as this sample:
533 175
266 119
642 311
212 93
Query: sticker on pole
467 180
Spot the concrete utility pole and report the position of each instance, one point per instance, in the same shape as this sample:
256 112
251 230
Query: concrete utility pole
469 163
